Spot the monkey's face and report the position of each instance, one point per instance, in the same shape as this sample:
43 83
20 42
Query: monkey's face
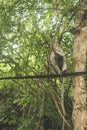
55 46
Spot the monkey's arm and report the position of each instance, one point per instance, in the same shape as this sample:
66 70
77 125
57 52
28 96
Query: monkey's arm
64 67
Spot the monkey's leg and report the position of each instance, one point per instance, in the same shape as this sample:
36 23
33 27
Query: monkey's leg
55 66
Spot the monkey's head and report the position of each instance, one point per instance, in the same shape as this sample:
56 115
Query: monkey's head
55 46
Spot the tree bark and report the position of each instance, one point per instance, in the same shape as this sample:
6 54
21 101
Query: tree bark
79 64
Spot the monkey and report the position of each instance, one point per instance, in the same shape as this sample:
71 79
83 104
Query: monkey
58 59
58 65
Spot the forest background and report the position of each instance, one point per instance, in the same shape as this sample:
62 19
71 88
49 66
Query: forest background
27 29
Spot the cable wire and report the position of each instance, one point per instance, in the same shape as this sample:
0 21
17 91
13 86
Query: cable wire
45 76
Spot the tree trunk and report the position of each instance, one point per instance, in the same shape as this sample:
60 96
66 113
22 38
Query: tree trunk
79 64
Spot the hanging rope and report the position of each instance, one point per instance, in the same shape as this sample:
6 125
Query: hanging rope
44 76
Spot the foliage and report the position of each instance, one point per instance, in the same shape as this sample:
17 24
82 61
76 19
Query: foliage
27 29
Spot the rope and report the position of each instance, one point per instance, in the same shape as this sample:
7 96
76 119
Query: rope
45 76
